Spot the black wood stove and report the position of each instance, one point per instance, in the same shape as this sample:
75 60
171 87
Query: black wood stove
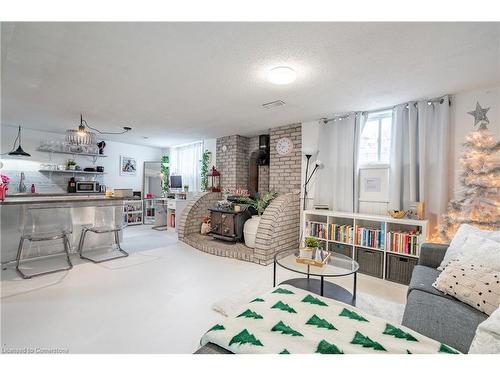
227 224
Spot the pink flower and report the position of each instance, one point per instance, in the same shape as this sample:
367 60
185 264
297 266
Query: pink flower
5 179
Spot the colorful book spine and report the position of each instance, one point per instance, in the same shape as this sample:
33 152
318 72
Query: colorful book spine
403 242
341 233
317 230
367 237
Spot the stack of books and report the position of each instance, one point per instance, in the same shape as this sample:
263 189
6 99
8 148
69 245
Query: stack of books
341 233
316 230
402 242
373 238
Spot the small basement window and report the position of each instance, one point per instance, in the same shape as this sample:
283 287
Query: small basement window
375 142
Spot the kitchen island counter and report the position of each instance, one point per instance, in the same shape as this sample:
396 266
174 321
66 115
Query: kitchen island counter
59 198
84 210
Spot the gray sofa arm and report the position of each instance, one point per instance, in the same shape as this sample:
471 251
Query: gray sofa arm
432 254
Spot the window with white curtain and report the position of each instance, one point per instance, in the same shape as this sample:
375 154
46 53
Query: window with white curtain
375 141
186 161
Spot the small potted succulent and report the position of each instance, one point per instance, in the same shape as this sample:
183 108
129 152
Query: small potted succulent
71 164
311 244
186 188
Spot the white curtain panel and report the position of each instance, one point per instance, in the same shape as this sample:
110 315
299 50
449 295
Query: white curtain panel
359 126
186 162
434 151
335 180
419 157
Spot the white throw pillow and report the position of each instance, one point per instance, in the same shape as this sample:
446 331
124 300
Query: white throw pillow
481 251
487 338
455 250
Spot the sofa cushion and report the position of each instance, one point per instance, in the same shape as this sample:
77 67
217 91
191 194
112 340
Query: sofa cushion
456 246
446 320
475 285
422 279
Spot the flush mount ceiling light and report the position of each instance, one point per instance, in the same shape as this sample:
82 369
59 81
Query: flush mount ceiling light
281 75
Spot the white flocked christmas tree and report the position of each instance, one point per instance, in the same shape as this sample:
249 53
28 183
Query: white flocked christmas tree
479 199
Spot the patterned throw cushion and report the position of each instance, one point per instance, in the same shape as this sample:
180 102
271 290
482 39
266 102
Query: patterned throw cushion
473 284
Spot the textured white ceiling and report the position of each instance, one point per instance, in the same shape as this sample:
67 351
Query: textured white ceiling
180 82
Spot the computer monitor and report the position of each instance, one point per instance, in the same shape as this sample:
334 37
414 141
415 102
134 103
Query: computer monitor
175 182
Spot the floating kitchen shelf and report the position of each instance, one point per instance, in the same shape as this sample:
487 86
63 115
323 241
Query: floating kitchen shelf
69 171
74 153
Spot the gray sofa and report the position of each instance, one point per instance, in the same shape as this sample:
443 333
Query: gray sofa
434 314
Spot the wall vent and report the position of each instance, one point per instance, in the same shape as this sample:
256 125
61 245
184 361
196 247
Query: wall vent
275 104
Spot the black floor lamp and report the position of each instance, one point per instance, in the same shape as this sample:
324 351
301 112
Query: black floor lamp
307 177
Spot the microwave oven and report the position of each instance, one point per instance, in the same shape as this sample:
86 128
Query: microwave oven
87 187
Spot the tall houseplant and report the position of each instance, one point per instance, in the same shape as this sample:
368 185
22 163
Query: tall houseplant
205 159
260 203
165 173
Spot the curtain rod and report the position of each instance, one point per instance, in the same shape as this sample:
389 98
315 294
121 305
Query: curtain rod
347 115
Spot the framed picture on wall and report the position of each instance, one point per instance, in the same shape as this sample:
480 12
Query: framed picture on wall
128 166
374 184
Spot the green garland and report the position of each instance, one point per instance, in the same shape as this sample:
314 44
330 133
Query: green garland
204 170
165 173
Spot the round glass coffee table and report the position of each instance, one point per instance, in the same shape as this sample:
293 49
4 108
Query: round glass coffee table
337 265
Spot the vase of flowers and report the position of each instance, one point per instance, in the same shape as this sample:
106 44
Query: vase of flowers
4 186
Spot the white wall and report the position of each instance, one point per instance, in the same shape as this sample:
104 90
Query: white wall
57 183
462 124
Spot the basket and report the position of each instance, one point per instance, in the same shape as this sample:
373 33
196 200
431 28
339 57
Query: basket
397 214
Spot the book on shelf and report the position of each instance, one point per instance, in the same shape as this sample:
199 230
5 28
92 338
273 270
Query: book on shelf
341 233
403 242
316 230
373 238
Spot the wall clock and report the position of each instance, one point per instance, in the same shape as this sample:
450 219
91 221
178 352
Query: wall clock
284 146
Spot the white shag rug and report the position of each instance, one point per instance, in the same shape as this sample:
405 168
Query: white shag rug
388 310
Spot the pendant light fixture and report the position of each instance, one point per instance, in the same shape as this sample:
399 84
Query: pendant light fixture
82 136
19 151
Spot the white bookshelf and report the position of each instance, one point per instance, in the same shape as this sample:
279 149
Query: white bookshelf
132 212
381 223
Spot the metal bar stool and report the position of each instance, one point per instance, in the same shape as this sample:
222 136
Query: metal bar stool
45 224
106 220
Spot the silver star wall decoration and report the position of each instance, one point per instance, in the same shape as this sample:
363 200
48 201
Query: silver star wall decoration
479 114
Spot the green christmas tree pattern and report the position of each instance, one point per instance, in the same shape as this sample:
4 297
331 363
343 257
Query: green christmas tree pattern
398 333
216 327
352 315
324 347
366 342
446 349
258 299
320 323
283 306
250 314
284 351
312 300
285 330
283 291
245 337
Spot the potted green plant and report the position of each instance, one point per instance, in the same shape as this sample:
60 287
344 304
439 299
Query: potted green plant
186 188
260 203
71 164
311 244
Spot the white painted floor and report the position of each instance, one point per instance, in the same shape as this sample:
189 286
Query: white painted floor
158 300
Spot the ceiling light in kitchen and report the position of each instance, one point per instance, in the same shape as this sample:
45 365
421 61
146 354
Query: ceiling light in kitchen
281 75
